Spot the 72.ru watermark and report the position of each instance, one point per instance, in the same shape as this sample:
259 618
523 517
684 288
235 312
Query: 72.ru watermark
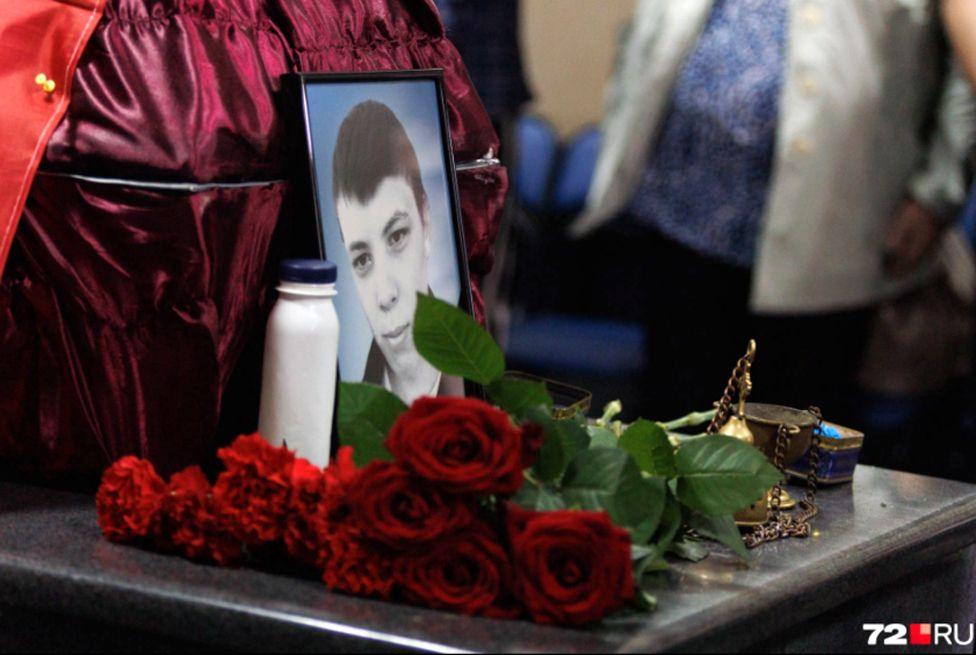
919 634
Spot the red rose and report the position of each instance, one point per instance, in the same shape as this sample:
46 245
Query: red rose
129 500
401 511
302 525
462 444
468 572
253 493
191 523
571 567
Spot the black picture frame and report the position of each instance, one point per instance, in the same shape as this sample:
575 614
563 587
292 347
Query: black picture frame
308 236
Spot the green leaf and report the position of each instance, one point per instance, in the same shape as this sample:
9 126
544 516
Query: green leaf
602 437
366 414
519 397
648 444
689 550
608 479
721 529
646 559
652 565
454 342
671 520
538 498
561 441
645 601
720 475
641 534
638 552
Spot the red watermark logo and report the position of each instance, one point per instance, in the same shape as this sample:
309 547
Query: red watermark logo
919 634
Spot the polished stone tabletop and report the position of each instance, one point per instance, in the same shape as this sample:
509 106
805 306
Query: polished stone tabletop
884 525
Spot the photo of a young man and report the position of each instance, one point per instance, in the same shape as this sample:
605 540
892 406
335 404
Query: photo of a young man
383 214
387 224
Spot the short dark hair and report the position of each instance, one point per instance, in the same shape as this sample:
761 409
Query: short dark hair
373 145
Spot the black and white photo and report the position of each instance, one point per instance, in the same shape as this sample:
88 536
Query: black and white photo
388 217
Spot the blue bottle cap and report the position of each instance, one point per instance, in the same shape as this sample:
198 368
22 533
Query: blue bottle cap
308 271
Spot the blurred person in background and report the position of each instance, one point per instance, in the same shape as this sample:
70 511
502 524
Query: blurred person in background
959 17
776 168
919 395
487 36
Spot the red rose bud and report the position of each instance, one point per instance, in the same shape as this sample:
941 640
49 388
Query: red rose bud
253 493
571 567
468 572
129 500
401 511
462 444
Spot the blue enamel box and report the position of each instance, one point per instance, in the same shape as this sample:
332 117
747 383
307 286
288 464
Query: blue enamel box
840 448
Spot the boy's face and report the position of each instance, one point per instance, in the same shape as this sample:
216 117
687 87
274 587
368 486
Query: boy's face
387 242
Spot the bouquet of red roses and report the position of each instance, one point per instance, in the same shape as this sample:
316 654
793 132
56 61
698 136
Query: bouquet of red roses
432 528
453 503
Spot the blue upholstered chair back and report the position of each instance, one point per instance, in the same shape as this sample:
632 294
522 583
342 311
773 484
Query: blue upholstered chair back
575 172
537 152
551 184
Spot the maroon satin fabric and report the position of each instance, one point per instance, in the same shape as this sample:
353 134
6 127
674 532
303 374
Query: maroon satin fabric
124 312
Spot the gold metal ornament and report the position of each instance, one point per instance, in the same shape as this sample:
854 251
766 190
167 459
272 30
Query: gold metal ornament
736 425
783 434
732 423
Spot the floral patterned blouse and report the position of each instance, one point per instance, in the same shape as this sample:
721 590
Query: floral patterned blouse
705 184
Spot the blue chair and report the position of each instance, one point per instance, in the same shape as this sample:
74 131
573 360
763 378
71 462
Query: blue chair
968 217
575 172
576 345
551 184
537 149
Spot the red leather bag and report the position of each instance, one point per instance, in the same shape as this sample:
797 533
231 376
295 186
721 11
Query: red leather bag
142 264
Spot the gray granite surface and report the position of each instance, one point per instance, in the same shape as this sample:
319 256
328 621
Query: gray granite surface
880 529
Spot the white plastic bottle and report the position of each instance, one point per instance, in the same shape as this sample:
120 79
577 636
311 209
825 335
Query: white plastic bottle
300 356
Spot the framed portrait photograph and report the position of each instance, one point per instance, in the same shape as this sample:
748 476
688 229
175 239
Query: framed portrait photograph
381 181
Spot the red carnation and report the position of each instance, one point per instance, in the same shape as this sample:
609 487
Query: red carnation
571 567
129 500
353 565
192 525
253 453
186 498
401 511
462 444
302 525
468 572
253 493
342 468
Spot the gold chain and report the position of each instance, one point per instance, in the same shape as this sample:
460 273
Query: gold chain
783 525
724 410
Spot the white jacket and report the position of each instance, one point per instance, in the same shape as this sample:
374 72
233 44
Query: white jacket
860 83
